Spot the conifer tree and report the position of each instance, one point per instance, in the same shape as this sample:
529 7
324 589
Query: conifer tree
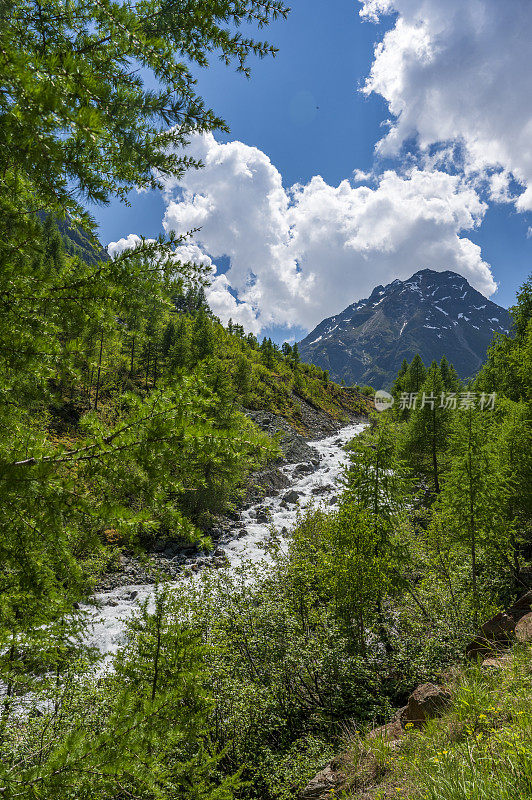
180 353
427 432
444 371
286 349
449 377
96 99
416 375
374 482
513 453
202 336
373 478
468 507
295 355
243 377
398 384
168 339
508 369
267 353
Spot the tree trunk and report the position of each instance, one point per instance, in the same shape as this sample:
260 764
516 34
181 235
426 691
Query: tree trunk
472 532
148 366
132 357
434 452
99 373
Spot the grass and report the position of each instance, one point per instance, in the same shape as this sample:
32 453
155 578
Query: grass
481 749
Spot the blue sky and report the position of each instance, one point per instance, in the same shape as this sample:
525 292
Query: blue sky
303 110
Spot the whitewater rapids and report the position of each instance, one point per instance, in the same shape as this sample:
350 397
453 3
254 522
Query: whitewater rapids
320 486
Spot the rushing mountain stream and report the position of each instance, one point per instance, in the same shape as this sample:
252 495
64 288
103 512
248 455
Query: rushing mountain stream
307 483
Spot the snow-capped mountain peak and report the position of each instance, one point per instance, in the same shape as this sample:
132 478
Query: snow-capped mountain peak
432 313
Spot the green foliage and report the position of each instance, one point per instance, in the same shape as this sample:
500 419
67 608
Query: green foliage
142 730
427 434
283 664
78 121
374 479
480 747
508 369
340 558
121 420
415 377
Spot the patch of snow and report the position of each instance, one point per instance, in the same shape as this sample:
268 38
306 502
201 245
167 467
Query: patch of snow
442 311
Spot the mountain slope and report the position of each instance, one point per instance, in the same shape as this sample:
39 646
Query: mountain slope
432 313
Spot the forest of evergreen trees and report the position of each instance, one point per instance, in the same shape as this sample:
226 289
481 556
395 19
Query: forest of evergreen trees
122 417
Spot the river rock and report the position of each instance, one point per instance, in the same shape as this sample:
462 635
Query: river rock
291 497
303 469
495 663
294 446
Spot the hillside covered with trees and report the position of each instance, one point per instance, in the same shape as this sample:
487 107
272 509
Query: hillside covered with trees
123 407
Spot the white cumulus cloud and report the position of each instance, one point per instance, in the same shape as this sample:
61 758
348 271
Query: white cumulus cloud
302 253
219 296
460 70
129 242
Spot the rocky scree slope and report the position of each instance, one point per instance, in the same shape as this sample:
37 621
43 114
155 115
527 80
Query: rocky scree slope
432 313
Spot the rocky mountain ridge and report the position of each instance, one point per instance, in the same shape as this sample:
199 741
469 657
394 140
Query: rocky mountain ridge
432 313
